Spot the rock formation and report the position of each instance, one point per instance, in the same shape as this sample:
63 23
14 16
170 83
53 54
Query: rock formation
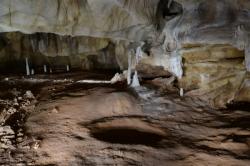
203 43
124 82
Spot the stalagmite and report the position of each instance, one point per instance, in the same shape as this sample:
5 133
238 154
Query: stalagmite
32 71
138 55
135 82
181 92
27 67
67 68
45 68
50 70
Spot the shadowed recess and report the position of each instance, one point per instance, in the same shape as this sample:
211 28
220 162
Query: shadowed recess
127 136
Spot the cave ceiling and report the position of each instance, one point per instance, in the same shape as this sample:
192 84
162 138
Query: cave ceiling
165 25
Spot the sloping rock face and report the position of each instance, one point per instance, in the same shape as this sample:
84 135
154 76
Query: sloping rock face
165 26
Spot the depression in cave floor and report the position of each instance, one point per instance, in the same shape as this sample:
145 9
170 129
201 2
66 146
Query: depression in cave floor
102 124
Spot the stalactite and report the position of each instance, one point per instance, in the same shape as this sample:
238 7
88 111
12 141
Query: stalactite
175 64
41 46
138 56
45 68
33 43
129 67
169 3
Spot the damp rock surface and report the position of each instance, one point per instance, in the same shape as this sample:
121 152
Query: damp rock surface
110 124
84 124
194 52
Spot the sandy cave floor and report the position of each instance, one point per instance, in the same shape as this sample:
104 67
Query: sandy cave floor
101 124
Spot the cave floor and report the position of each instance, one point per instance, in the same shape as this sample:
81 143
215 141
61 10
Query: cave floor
102 124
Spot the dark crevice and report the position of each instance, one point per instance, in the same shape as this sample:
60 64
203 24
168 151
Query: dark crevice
166 11
237 138
243 106
127 136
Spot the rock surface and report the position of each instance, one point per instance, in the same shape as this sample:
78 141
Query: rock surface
214 73
98 124
150 72
108 126
112 18
13 112
55 51
197 49
165 27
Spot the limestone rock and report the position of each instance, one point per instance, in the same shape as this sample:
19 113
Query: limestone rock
216 35
213 73
150 72
112 18
165 84
55 51
6 130
243 94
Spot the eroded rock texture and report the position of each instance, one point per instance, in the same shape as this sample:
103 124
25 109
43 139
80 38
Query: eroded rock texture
114 18
213 72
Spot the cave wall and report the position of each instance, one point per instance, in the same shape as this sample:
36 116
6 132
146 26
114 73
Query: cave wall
213 73
205 44
55 51
210 40
109 18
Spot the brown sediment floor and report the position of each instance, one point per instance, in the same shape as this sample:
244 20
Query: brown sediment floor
86 124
